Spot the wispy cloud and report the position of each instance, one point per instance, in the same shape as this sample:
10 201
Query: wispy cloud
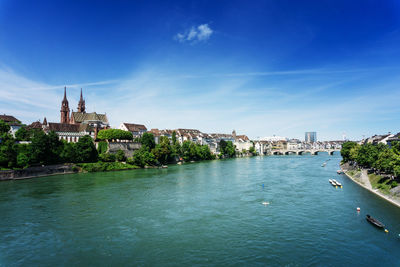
253 105
201 33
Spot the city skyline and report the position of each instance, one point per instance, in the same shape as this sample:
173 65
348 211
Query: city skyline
284 68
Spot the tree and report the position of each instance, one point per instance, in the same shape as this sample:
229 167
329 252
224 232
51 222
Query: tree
114 134
22 134
4 127
86 150
345 151
173 137
227 149
120 156
147 140
69 153
143 157
8 153
163 151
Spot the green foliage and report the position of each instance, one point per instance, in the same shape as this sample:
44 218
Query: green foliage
163 151
120 156
102 147
8 151
86 150
173 138
4 128
45 149
380 156
393 184
345 151
23 134
252 150
143 157
106 166
147 140
107 157
227 149
114 134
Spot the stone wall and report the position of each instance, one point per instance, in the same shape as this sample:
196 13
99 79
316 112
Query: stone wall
32 172
128 148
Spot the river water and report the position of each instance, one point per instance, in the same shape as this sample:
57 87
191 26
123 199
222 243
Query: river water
207 213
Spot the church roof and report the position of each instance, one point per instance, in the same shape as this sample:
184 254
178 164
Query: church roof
34 125
80 117
63 127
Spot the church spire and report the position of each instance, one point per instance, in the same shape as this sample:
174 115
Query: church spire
81 104
65 108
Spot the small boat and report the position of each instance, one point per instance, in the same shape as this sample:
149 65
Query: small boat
333 183
375 222
330 180
323 164
339 171
338 184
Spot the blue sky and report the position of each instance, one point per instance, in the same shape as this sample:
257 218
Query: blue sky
259 67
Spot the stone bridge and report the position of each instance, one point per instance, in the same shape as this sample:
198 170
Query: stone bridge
302 151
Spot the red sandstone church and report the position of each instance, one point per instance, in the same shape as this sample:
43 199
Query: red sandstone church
74 125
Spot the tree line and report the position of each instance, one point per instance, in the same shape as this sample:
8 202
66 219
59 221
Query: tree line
47 149
380 157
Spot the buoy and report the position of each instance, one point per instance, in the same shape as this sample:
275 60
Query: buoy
358 209
386 231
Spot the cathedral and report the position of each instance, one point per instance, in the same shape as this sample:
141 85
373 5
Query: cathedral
74 125
93 119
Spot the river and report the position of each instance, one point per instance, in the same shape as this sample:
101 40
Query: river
207 213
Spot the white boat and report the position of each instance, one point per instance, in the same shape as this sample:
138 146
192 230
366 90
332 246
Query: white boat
330 180
323 164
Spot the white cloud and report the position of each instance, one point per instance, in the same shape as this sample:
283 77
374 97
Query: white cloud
200 33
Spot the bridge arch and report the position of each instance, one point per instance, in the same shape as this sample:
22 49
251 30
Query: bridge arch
290 152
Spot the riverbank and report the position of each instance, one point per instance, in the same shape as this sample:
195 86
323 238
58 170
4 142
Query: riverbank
361 178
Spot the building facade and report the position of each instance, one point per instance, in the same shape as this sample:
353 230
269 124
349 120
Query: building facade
310 137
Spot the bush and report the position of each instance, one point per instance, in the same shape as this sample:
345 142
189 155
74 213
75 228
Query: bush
107 157
393 184
114 134
102 147
120 156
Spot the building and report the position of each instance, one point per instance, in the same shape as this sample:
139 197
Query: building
14 123
74 125
137 130
310 137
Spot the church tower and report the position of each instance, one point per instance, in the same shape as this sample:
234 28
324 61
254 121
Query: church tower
81 104
65 108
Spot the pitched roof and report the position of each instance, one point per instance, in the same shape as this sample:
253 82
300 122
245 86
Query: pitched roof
93 116
63 127
8 118
243 137
34 125
135 127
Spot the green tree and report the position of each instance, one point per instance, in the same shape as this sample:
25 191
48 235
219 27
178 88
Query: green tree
4 128
22 134
86 150
147 140
8 153
345 151
163 151
173 137
143 157
114 134
69 153
120 156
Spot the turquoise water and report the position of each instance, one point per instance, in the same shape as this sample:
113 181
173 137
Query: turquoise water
207 213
